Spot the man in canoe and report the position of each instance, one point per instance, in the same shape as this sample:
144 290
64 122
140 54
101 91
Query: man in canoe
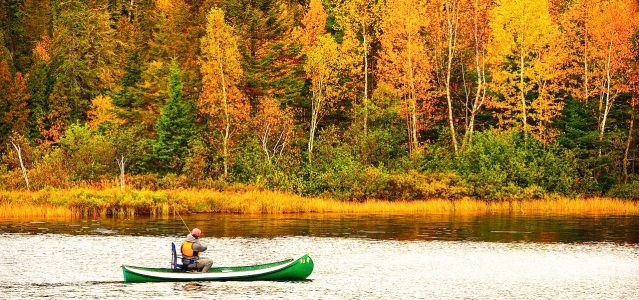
191 249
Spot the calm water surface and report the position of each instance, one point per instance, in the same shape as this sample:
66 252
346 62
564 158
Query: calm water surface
372 257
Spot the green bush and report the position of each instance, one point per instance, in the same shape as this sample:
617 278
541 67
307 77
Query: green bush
501 165
625 190
87 155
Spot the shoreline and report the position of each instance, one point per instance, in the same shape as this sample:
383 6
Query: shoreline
81 202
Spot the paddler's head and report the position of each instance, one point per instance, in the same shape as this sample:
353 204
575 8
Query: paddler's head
196 232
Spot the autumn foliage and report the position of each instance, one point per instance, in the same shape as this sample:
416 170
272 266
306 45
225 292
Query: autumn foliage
343 98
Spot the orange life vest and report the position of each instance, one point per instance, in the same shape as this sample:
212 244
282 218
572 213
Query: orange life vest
187 249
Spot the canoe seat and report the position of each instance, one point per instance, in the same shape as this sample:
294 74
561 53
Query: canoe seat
174 259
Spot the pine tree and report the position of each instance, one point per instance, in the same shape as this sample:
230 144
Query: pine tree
44 126
81 57
175 127
271 59
11 23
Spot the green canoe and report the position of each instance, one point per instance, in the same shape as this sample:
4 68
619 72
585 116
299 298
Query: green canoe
290 269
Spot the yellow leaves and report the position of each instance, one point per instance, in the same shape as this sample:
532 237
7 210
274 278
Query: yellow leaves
322 56
521 25
526 55
404 62
165 6
220 51
221 72
102 113
321 61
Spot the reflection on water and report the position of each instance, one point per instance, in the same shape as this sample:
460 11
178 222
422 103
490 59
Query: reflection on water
492 228
356 256
192 286
67 266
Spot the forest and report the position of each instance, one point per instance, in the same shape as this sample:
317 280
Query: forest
345 99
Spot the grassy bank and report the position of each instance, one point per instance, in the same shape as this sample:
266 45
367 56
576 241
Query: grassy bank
87 202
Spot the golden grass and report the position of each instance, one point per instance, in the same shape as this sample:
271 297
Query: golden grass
92 202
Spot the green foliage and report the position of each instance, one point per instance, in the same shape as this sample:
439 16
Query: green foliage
87 155
580 135
131 143
175 128
625 190
81 58
499 165
40 84
70 51
128 95
272 66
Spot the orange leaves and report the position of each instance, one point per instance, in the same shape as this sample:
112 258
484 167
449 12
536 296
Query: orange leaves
273 127
594 29
41 49
614 26
314 23
14 113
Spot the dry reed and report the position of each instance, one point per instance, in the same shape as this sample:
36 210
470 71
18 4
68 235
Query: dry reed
112 202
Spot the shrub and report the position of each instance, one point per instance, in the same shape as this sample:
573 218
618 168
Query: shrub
500 165
414 185
87 155
625 190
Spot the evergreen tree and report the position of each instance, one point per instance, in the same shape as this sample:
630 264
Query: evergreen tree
40 83
271 59
11 17
81 57
175 127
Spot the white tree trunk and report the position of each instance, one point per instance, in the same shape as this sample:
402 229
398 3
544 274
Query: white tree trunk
609 100
628 141
22 167
451 21
316 105
227 118
121 165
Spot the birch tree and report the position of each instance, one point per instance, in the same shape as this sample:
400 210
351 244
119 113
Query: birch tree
614 26
321 52
477 34
359 18
221 99
273 127
525 53
443 38
18 149
404 66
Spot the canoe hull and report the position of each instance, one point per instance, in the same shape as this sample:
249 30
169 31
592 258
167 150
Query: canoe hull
287 270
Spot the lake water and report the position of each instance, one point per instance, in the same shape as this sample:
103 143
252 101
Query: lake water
356 256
